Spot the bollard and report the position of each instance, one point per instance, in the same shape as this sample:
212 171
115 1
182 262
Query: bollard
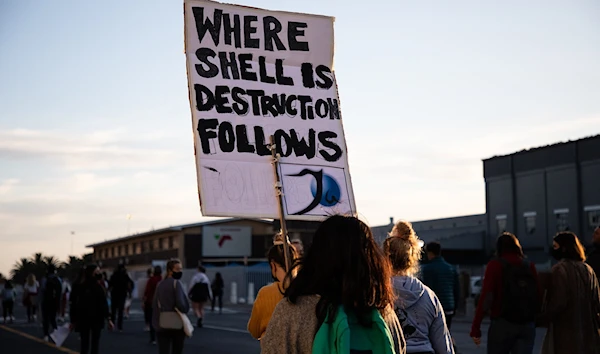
234 297
250 293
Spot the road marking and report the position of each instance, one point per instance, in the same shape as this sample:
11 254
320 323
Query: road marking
36 339
226 329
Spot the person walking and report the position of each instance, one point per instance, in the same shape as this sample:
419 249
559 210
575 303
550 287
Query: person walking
419 310
511 293
89 310
8 302
51 294
572 307
147 317
593 257
170 297
30 297
341 300
269 295
199 293
119 288
217 287
149 292
442 277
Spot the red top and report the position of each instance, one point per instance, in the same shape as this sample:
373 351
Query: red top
492 287
151 288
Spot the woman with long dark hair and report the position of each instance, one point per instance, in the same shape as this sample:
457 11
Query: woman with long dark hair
572 308
89 309
511 294
343 282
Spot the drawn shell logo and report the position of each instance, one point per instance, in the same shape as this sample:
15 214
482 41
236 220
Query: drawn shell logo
324 188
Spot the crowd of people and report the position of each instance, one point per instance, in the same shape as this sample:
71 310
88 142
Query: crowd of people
347 294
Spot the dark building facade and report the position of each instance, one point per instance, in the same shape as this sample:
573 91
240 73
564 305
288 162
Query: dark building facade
535 193
220 241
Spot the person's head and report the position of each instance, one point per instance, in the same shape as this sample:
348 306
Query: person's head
201 269
566 245
276 258
149 272
92 273
403 249
345 267
31 279
596 236
157 271
121 268
174 269
51 269
434 250
508 243
297 243
218 276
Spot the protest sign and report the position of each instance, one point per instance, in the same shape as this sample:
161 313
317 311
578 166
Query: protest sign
253 74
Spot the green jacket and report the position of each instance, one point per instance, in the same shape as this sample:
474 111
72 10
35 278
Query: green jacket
345 335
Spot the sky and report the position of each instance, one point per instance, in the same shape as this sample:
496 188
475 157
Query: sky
95 118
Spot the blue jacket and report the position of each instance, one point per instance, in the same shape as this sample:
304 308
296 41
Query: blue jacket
442 277
422 317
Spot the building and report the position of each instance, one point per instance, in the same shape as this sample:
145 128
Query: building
535 193
461 237
213 242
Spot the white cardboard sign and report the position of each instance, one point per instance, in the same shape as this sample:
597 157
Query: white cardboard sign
254 73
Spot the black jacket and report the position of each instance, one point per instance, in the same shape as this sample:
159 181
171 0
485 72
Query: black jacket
89 307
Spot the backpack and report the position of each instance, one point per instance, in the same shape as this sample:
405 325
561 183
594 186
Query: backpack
200 292
344 335
520 302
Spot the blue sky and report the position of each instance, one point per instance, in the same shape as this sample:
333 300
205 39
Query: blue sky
95 120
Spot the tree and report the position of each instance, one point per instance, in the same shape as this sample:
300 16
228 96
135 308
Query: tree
21 270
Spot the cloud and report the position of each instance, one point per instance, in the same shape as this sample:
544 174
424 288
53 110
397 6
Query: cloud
100 150
7 185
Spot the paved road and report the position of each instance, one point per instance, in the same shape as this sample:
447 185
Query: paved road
223 333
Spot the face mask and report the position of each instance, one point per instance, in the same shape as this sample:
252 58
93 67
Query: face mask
98 276
556 253
177 275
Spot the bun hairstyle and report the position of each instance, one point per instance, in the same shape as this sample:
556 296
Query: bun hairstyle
403 249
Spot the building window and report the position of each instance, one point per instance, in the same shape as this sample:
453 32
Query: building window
593 216
138 248
175 242
170 242
164 243
501 222
150 246
562 219
156 244
530 218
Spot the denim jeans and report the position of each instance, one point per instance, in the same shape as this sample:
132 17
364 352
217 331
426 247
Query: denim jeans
510 338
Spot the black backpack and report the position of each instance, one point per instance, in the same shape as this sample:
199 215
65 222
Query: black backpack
520 301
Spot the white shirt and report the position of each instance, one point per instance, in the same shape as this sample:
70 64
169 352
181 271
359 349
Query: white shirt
32 288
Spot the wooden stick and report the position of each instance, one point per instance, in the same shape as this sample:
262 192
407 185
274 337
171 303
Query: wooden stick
279 196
